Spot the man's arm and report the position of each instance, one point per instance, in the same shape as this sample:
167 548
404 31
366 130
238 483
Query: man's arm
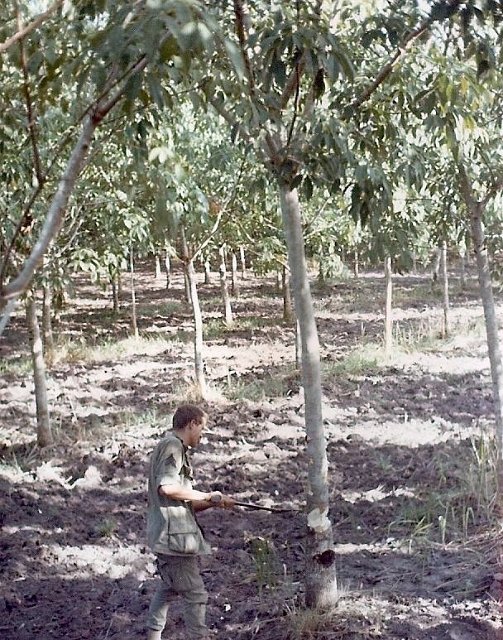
201 500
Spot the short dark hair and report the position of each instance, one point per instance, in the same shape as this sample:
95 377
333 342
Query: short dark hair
187 413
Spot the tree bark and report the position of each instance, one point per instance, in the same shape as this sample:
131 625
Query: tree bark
114 281
287 297
134 323
321 582
197 318
234 275
388 316
47 322
445 287
158 272
476 213
225 290
167 265
44 432
243 261
207 272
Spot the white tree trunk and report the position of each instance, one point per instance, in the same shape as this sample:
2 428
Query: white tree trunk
114 281
207 272
190 275
225 289
445 287
476 212
388 313
234 275
134 323
167 266
44 433
287 297
243 261
158 271
321 583
47 322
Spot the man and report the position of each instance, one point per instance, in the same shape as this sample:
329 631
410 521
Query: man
172 529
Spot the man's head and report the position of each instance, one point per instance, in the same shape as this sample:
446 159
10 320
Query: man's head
189 422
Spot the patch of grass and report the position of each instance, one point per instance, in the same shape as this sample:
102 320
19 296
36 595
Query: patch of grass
106 528
20 366
81 351
167 308
464 498
265 560
277 385
216 328
367 358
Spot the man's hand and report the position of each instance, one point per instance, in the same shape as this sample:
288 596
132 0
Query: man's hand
217 499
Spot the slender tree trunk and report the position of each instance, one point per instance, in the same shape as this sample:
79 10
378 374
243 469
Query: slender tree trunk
298 346
225 289
158 272
356 264
321 582
435 265
207 272
167 266
445 285
134 324
234 275
197 318
114 281
119 286
186 285
47 322
388 317
476 212
279 282
288 314
44 433
242 259
462 268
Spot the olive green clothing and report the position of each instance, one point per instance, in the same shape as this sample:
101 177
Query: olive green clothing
180 576
172 528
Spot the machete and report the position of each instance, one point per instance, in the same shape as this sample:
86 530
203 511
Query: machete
257 507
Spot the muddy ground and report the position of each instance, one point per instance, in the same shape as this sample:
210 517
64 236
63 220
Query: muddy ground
411 486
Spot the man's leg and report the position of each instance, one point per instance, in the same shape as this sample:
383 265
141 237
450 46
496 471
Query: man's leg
187 582
158 609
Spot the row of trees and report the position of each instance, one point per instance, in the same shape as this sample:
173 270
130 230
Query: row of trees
192 126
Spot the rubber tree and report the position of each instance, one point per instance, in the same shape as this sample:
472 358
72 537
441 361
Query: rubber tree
295 102
464 115
92 60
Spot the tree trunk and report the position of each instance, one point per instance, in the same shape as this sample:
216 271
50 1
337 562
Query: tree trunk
134 324
491 322
158 272
356 264
44 433
445 285
476 212
225 290
167 265
207 272
435 265
320 581
197 317
298 347
234 275
243 261
47 322
388 318
278 281
287 297
114 281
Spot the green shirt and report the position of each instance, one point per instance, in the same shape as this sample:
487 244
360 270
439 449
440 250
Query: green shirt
172 528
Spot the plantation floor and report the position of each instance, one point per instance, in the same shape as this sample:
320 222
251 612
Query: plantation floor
419 555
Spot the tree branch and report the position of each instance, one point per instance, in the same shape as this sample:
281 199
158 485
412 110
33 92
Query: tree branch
34 24
402 49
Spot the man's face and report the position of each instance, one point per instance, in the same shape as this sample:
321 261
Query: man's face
195 431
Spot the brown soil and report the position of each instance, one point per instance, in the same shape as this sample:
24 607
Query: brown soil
418 555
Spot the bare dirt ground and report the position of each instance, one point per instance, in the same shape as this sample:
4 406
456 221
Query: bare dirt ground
419 553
